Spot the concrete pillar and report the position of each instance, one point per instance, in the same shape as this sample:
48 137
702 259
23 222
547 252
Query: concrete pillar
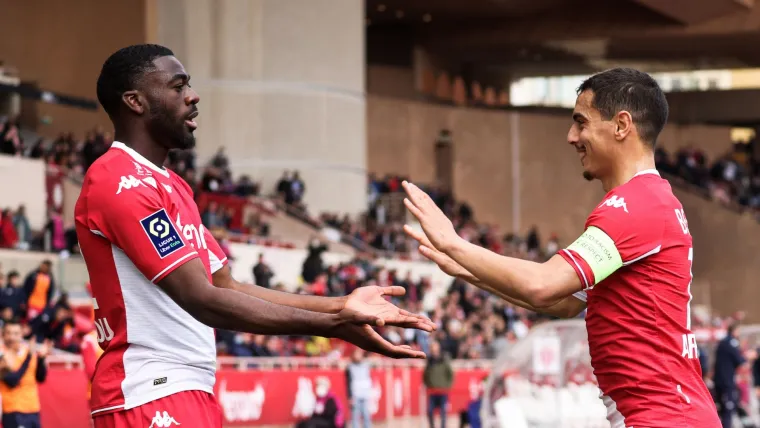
282 87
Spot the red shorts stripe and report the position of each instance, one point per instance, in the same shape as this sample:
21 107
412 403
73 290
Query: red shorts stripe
187 409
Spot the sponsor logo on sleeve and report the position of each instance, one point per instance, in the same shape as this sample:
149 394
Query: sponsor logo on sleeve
615 202
162 233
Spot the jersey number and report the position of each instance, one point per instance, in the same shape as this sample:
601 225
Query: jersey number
104 330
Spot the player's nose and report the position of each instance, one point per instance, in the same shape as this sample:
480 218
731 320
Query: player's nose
573 136
192 97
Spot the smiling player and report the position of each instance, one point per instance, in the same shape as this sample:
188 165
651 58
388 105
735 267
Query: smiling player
631 267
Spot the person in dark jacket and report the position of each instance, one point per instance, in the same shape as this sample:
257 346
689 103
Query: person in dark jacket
313 266
438 378
13 296
728 359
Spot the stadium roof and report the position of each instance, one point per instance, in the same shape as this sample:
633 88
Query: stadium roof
550 37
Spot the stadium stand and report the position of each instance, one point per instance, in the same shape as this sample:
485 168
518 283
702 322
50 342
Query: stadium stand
519 367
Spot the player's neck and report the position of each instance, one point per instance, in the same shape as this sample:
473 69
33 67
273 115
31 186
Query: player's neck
624 172
143 145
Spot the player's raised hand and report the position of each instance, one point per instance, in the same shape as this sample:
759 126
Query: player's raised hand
438 228
363 336
368 305
444 262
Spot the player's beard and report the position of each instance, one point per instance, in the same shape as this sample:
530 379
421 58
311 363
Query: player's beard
171 132
588 176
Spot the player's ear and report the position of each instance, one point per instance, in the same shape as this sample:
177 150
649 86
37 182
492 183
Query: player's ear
134 101
623 125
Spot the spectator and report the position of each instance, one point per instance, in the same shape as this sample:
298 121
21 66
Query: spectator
284 187
56 323
359 388
10 140
12 296
438 378
262 273
55 233
246 187
313 265
212 218
8 235
23 230
728 358
38 289
297 189
24 367
220 160
328 412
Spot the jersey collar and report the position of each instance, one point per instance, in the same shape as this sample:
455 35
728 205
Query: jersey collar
648 171
139 158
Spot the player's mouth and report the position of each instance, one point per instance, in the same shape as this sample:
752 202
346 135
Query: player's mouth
190 121
581 152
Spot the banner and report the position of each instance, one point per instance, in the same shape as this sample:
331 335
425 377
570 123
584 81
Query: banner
274 397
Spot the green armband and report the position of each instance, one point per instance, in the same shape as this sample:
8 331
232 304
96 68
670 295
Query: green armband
599 251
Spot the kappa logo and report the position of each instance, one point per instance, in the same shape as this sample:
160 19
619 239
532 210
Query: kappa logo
128 182
615 202
163 420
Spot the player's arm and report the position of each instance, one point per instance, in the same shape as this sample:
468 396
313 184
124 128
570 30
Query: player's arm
569 307
541 285
566 308
370 300
229 309
222 278
138 223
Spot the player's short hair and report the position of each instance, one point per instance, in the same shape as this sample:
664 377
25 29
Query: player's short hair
122 70
634 91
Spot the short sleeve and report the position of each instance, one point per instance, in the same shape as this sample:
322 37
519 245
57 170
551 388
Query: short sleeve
620 231
138 222
217 258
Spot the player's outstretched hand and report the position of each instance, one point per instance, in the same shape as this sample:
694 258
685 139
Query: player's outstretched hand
363 336
444 262
368 305
438 228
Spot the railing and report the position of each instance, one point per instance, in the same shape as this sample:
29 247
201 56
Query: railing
73 361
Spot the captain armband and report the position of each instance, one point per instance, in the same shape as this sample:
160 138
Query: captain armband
599 251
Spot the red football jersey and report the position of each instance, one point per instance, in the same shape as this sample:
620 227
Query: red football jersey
137 222
635 263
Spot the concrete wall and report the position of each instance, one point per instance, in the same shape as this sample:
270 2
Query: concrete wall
23 182
62 45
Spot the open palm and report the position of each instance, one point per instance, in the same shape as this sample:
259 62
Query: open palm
368 305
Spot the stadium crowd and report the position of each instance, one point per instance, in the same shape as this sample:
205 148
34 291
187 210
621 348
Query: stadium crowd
733 179
472 323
